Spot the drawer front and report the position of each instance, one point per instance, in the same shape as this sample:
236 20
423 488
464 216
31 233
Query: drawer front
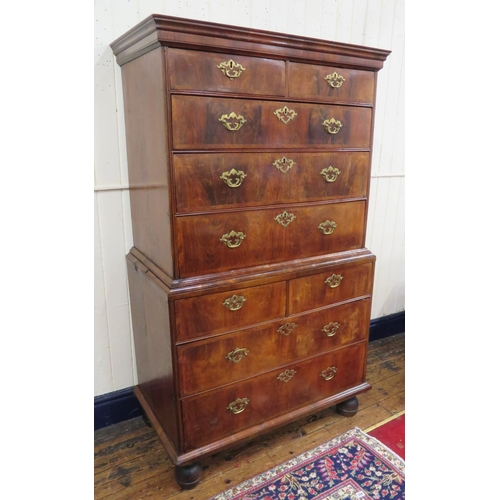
207 71
207 181
226 311
200 123
210 363
219 413
308 81
220 242
319 290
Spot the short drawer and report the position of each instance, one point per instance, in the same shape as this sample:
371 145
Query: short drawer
228 358
208 71
205 123
206 181
319 290
219 413
338 84
227 311
223 241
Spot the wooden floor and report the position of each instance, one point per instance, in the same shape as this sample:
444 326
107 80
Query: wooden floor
130 463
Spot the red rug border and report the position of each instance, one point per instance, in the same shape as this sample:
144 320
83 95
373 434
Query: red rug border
386 421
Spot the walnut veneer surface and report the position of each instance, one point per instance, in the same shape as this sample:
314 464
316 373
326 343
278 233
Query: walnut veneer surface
249 161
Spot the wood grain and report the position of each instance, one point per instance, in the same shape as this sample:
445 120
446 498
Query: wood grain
265 240
208 315
207 416
195 70
199 126
313 291
200 187
144 97
308 80
204 365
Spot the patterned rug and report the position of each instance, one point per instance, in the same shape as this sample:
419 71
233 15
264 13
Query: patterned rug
353 466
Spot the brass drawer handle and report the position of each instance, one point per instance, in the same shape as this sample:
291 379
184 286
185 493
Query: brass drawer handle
287 329
234 303
239 405
232 121
331 329
285 114
327 227
335 80
285 218
330 174
233 239
286 376
329 373
334 280
237 355
233 178
231 69
332 126
284 164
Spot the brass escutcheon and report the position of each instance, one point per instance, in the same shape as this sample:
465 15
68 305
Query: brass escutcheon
286 376
330 174
237 355
231 69
285 218
235 302
285 114
329 373
232 121
327 227
233 178
239 405
287 329
334 280
335 80
331 329
233 239
332 126
284 164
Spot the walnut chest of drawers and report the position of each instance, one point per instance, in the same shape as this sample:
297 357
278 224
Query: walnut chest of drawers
249 164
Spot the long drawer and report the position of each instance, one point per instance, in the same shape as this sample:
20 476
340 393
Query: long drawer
225 359
219 413
232 123
207 181
224 241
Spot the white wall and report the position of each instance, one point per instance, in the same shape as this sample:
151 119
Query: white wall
374 23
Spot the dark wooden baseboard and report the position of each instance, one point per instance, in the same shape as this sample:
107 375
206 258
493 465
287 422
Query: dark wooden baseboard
116 407
123 405
383 327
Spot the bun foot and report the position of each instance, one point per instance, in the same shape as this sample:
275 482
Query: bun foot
188 476
348 408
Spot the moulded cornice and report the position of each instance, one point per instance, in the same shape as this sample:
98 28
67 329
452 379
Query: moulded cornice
157 30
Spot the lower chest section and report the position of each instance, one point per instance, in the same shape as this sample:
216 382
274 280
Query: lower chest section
249 355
